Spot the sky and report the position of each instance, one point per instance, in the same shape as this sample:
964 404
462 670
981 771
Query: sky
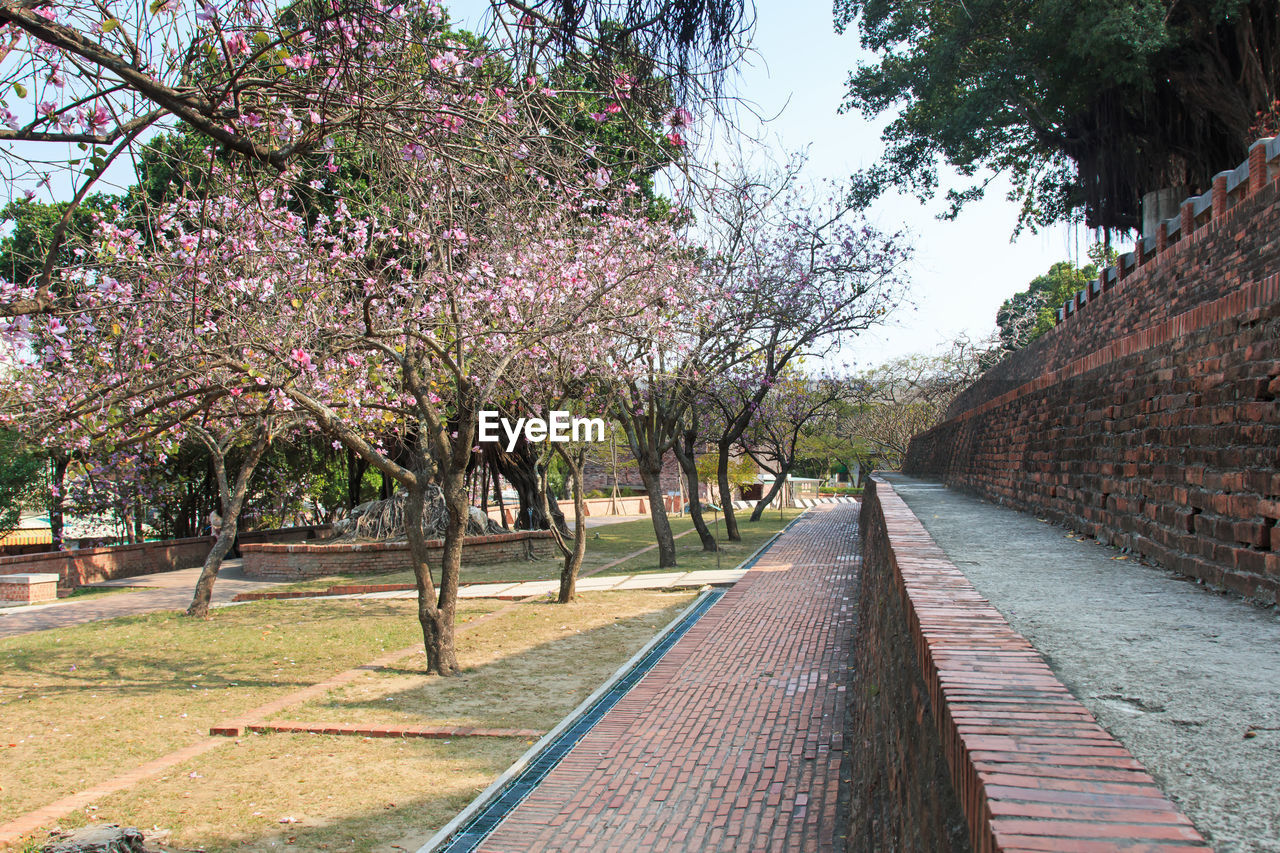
961 270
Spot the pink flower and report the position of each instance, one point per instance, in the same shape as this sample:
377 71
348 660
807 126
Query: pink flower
675 138
302 359
237 44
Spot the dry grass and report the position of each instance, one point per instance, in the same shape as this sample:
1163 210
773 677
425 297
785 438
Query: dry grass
89 702
339 794
81 704
525 669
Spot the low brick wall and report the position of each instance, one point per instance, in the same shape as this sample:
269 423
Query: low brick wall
298 562
963 738
90 565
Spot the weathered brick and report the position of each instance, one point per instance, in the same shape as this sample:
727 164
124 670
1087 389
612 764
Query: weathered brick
1153 405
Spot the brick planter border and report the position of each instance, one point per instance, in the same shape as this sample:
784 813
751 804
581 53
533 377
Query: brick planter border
303 561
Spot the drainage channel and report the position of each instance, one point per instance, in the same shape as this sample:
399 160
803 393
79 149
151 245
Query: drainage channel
469 836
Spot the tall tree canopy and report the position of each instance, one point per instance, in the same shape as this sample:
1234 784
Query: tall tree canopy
1085 104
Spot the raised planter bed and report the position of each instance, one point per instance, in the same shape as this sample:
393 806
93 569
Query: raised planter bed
303 561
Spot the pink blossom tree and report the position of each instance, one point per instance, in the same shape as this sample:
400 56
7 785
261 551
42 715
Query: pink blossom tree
799 272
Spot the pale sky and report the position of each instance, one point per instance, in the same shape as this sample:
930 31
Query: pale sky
963 269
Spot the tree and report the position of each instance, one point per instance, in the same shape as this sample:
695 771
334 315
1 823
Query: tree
798 272
271 84
909 395
793 408
397 306
20 472
1028 314
1085 106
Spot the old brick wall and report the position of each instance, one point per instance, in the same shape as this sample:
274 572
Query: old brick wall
297 562
904 798
962 737
90 565
1148 417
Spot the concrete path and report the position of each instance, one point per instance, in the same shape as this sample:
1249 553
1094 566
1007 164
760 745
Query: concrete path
161 591
155 592
1188 680
733 740
524 589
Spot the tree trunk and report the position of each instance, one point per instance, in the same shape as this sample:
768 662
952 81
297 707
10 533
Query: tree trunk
356 466
57 488
199 607
689 465
437 631
726 491
232 503
520 469
455 498
779 479
651 476
497 493
573 556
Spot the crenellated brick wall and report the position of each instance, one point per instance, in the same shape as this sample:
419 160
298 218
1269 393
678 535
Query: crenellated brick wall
1149 417
298 562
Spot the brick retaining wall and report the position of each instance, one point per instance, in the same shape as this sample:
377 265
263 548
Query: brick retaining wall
964 739
1148 418
81 566
90 565
297 562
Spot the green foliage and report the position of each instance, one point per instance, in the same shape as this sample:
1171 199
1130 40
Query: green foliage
742 471
1030 313
1084 104
20 474
31 226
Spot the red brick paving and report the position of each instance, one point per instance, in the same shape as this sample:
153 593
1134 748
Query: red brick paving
733 740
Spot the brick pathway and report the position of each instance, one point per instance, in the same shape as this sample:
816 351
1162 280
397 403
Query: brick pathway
732 741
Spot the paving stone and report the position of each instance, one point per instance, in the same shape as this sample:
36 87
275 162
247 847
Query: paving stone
727 743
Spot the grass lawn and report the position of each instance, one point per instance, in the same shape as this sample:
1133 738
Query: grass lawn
79 704
82 704
689 553
605 544
524 670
